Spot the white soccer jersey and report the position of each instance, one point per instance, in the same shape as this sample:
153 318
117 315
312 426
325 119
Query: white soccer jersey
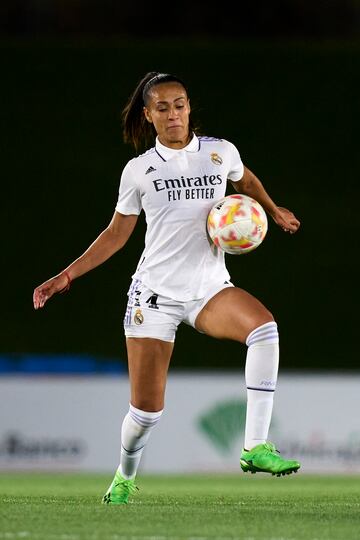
176 189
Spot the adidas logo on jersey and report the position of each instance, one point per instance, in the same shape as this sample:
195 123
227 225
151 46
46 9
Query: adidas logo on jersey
150 169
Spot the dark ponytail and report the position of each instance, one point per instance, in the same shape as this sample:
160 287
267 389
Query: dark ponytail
137 130
136 127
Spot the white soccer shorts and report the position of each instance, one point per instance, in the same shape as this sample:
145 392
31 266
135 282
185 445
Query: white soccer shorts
149 315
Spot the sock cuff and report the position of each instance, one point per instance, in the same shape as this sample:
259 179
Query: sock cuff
144 418
266 333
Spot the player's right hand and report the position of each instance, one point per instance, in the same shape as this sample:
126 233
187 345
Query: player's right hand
46 290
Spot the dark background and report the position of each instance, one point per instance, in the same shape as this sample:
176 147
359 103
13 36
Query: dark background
280 80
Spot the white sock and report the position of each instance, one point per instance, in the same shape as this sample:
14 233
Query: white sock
135 432
261 369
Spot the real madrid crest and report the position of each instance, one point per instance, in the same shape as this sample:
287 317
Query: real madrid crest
215 158
138 317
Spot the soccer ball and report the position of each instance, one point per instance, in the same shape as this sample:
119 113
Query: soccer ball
237 224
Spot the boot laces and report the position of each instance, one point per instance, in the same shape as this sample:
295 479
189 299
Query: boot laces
127 485
271 449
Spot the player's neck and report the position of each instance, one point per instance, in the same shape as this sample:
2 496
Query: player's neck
176 145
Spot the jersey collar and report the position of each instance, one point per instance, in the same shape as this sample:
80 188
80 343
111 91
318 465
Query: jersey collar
167 153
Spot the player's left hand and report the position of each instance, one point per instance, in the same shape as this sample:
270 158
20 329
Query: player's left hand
286 220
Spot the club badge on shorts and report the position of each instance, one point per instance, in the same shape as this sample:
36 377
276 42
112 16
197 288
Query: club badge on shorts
215 158
138 317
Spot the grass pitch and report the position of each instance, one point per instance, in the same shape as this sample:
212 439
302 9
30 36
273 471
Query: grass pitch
246 507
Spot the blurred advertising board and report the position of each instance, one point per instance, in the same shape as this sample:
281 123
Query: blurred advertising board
74 422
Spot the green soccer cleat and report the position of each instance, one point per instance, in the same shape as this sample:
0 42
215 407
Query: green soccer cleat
119 491
265 458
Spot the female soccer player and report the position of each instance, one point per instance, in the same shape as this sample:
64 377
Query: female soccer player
179 278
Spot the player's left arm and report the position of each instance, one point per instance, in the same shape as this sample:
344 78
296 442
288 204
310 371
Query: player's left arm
250 185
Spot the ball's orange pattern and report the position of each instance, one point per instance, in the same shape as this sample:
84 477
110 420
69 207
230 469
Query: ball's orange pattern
237 224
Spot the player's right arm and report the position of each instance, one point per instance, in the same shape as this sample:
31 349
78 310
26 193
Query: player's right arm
113 238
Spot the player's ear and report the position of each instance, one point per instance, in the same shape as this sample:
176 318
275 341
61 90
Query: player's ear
147 115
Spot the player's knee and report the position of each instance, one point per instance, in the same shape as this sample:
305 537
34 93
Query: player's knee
263 316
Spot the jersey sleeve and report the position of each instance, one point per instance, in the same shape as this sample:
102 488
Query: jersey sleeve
129 200
236 171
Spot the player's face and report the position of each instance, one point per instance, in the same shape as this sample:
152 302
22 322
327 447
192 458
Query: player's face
168 109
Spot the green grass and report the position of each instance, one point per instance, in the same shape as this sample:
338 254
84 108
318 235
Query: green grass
247 507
